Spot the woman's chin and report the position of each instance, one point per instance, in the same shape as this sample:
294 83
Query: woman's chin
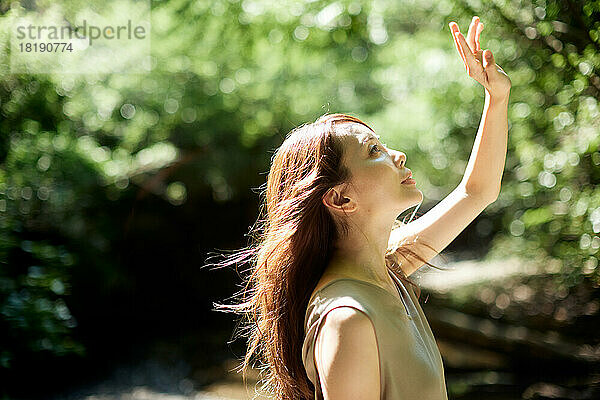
418 196
413 200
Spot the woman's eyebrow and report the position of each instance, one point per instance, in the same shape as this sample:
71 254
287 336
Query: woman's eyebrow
368 138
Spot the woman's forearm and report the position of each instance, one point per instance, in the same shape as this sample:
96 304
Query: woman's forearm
483 174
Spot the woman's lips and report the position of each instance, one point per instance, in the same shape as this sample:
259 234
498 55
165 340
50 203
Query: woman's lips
409 181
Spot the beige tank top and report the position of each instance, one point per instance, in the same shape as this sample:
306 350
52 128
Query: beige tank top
409 359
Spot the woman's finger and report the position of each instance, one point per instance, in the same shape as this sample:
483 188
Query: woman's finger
493 70
453 30
496 77
460 50
489 63
471 33
473 67
477 35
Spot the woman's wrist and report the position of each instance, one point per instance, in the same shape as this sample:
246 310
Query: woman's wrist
500 99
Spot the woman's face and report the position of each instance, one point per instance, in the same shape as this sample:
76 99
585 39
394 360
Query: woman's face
377 173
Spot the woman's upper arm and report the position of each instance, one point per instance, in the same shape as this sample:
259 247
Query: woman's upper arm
347 356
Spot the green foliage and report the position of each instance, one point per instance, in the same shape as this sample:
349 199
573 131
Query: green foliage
35 317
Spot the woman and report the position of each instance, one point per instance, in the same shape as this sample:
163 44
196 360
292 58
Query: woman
328 311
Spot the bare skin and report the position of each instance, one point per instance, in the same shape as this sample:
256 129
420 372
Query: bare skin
346 349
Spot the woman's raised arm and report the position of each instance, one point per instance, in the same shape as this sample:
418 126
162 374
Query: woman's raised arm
480 185
484 170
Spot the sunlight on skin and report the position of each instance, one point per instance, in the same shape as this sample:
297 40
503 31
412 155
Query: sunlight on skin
480 64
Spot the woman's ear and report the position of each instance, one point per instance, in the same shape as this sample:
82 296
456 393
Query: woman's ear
337 202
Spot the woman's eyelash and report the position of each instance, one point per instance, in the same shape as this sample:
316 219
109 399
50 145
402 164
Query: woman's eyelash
373 147
376 146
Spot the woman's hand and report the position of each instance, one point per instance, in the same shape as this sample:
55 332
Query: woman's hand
479 63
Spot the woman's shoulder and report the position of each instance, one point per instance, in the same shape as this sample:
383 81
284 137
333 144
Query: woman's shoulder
343 285
332 294
333 286
326 280
335 291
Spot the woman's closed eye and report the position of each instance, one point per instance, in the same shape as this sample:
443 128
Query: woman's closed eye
374 149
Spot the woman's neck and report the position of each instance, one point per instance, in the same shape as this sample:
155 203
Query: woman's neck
360 254
363 265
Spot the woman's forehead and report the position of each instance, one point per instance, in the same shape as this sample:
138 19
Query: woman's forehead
354 140
357 134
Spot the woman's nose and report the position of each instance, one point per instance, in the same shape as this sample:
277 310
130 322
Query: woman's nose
399 158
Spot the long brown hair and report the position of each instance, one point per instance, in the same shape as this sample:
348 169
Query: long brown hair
291 245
